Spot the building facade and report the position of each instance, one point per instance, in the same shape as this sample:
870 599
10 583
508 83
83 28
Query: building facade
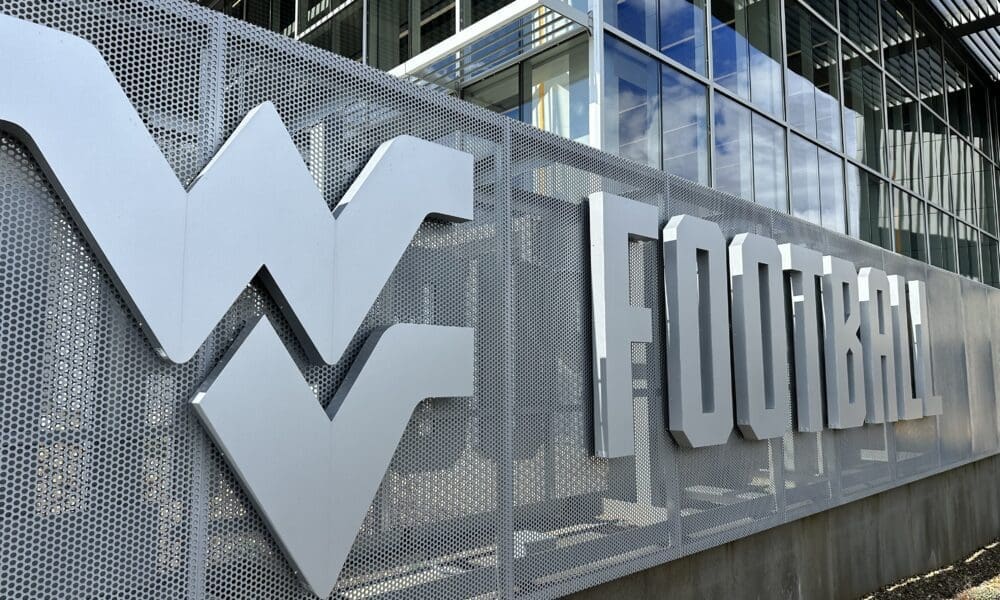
274 324
868 117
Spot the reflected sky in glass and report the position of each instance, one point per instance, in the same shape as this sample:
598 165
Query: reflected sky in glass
631 96
746 51
733 168
685 126
813 76
769 163
816 184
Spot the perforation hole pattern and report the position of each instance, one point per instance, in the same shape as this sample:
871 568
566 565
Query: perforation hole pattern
109 487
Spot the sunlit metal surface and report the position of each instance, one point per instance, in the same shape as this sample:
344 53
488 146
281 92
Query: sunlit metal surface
504 37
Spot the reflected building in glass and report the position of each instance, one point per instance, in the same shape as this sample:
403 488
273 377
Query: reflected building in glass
873 118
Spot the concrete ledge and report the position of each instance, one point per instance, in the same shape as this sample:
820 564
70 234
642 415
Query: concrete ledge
844 552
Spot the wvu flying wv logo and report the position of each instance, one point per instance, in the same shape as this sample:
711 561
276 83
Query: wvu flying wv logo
181 257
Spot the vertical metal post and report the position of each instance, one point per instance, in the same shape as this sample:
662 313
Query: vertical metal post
364 32
506 482
301 12
210 111
596 76
463 10
414 26
783 35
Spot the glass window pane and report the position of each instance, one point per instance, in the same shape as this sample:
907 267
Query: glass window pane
682 32
394 41
988 212
897 42
685 126
498 93
746 50
816 184
979 107
631 96
733 168
968 251
995 122
990 251
831 191
437 22
341 33
863 138
635 17
903 137
390 44
813 76
869 210
769 163
958 99
930 67
960 177
484 8
803 181
825 9
982 193
858 24
558 89
941 238
934 156
910 228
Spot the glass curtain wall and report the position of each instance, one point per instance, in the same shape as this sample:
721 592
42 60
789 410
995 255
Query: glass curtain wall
858 115
401 29
674 27
685 126
869 208
817 184
342 32
746 51
276 15
631 103
903 136
863 114
813 76
550 91
853 114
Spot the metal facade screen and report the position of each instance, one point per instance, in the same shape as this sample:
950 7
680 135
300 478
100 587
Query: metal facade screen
112 487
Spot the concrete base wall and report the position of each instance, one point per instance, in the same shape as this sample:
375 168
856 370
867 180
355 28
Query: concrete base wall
845 552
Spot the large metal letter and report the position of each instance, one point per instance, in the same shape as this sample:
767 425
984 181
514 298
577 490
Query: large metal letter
313 478
698 368
760 345
181 257
845 400
614 221
876 345
907 406
923 372
804 269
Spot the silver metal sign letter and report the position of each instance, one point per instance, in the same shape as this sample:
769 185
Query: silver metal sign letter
923 372
804 269
614 221
760 346
313 473
907 406
877 346
845 400
700 407
181 257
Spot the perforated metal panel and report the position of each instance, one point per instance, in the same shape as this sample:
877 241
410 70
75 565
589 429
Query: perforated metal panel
109 487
